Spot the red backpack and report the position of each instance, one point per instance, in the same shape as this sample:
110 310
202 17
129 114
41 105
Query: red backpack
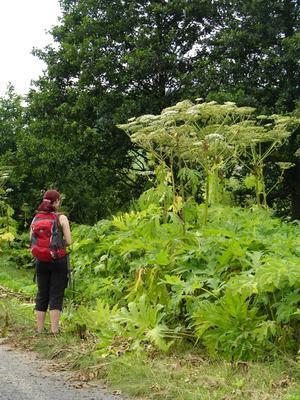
47 243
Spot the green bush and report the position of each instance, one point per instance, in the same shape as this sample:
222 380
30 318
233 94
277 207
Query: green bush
232 283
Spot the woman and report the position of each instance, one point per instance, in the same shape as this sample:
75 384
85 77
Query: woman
52 274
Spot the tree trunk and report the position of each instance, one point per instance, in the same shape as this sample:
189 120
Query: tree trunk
295 190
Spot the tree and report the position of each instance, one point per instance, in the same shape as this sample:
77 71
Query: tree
111 60
10 120
253 54
118 59
251 58
11 124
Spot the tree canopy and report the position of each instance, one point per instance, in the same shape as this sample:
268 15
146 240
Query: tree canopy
112 60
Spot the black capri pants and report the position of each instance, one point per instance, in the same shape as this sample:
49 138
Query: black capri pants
52 279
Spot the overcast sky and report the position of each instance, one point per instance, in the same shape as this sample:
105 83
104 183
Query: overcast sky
23 25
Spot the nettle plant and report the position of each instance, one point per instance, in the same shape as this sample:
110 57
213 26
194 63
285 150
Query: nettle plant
193 147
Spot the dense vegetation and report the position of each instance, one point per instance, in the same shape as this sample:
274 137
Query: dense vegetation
198 256
232 284
113 60
174 270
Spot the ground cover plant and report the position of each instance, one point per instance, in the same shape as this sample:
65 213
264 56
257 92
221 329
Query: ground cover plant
186 373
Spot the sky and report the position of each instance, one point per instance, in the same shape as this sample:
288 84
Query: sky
24 25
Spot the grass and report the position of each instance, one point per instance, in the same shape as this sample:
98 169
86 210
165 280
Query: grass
185 375
190 377
17 279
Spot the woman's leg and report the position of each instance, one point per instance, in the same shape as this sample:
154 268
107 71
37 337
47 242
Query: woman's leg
59 280
54 318
42 297
40 318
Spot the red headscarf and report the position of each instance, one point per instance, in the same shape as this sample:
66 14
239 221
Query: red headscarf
49 198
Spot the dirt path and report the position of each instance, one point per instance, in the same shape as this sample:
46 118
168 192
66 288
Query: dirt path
24 377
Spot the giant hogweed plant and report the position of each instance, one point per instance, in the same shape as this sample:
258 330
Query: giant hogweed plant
197 144
137 323
232 283
242 256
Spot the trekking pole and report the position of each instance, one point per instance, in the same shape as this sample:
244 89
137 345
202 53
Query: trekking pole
69 271
33 263
71 281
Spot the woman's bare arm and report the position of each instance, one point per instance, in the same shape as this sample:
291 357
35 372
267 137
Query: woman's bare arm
64 222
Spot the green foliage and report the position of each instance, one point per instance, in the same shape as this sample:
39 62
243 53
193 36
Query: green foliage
11 114
232 329
158 274
198 145
7 223
138 323
110 61
232 284
14 277
251 57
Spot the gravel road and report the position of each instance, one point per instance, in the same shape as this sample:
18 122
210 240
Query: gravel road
25 377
